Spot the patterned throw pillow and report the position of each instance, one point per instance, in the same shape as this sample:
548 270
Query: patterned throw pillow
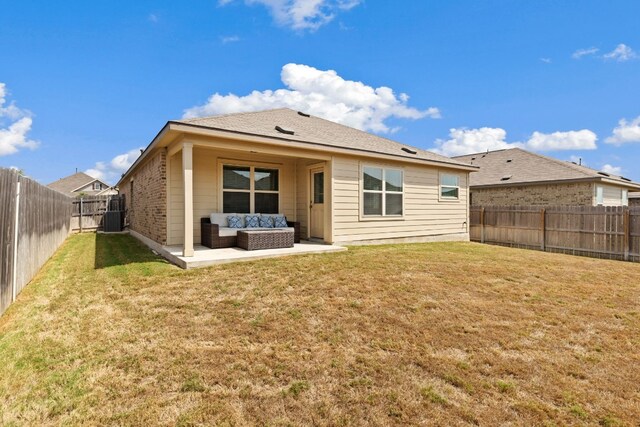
252 221
234 221
280 221
266 222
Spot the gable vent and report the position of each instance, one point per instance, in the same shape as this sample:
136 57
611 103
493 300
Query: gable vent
285 131
409 150
303 114
603 174
505 178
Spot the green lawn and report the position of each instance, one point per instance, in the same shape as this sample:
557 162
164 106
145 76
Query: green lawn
444 333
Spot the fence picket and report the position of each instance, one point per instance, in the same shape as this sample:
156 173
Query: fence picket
601 232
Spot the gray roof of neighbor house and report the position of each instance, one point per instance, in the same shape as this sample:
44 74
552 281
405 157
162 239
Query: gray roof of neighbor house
312 130
516 167
70 183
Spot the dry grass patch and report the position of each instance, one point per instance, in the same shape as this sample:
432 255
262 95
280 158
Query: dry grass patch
447 333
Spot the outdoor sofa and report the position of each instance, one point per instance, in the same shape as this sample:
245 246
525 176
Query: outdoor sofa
216 232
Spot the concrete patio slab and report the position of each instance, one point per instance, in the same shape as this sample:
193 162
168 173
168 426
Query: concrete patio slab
204 256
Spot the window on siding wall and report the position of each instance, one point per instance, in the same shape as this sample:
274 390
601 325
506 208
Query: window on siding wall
625 197
248 189
599 195
382 191
449 186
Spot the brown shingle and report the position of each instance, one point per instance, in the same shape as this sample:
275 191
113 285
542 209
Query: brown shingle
524 167
67 184
313 130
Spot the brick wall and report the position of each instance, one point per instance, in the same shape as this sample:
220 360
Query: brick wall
147 209
576 194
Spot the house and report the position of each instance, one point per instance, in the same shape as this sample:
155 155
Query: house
341 185
634 199
518 177
81 184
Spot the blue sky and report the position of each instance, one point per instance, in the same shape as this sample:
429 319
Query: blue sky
85 84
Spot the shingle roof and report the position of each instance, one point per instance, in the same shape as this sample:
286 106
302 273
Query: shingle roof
72 182
313 130
517 166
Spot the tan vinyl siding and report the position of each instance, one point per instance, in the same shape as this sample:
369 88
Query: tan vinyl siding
424 213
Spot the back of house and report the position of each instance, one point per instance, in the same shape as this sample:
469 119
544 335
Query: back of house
342 185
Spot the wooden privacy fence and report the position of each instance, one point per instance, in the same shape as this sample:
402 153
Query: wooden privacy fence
88 211
599 232
34 221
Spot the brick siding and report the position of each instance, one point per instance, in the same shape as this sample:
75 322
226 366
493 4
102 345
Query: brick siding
147 210
576 194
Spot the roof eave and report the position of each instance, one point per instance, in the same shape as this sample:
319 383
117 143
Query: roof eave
348 150
558 181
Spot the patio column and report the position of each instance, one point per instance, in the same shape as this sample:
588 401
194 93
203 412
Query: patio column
187 174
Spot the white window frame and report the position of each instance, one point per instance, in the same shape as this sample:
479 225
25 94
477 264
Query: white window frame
383 192
599 195
441 186
252 191
98 185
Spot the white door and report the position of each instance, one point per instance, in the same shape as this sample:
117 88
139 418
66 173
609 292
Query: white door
316 218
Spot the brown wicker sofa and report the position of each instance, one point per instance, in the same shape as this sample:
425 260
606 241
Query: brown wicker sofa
213 235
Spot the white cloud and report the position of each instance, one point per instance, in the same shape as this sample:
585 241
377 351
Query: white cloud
572 140
324 94
468 141
111 171
546 60
152 18
621 53
584 52
613 170
625 132
229 39
15 124
302 14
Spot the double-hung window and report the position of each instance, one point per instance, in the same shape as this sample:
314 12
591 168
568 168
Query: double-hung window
382 191
249 189
449 186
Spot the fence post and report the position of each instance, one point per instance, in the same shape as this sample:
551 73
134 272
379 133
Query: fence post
16 230
543 228
627 233
80 215
482 225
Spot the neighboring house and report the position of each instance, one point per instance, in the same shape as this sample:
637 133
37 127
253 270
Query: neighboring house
634 199
518 177
341 184
81 184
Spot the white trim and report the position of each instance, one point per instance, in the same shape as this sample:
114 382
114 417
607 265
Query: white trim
446 199
252 191
383 192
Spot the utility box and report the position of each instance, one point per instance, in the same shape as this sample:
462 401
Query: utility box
112 222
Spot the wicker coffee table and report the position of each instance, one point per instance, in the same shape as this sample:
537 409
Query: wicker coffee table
252 240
